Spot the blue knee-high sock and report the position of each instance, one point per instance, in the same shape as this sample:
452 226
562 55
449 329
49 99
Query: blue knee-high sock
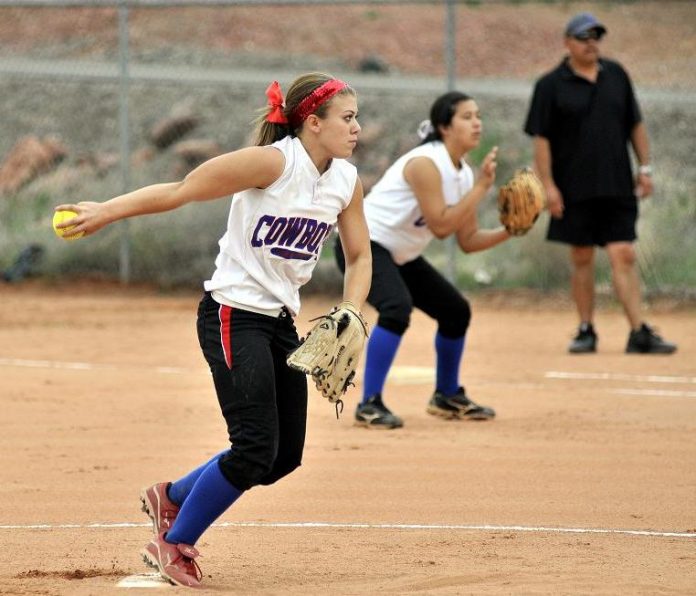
210 497
381 350
449 355
179 490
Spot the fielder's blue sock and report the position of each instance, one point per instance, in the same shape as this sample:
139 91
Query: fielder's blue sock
449 356
381 350
179 490
210 497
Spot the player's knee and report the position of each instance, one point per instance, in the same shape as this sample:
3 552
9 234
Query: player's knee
397 326
457 321
281 469
395 317
246 469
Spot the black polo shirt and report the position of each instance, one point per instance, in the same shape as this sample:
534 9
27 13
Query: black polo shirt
588 126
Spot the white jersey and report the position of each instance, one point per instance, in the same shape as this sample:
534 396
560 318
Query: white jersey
274 235
392 211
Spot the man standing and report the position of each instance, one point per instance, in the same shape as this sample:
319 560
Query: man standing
582 116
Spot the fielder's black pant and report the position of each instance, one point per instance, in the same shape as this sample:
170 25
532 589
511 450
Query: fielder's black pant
264 402
396 289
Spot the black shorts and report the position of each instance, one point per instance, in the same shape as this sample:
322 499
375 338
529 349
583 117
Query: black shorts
596 222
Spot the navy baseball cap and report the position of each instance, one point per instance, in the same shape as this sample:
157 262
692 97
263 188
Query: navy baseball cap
583 22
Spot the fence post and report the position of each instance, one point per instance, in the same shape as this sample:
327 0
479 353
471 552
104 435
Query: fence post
124 135
451 44
451 62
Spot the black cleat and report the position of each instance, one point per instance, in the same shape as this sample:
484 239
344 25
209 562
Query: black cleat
458 406
374 414
585 342
646 341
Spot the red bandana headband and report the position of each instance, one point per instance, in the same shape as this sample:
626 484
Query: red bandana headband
276 102
316 98
307 106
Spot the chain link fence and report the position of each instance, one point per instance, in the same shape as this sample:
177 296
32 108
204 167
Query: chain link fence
100 97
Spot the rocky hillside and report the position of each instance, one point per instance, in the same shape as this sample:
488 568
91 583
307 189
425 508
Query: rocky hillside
501 47
495 38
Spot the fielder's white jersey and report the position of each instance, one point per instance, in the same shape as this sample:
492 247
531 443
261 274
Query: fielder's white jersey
274 235
393 215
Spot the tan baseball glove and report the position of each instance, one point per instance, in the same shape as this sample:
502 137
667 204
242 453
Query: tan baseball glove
520 201
331 350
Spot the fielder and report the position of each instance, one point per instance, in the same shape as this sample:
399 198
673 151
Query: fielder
428 192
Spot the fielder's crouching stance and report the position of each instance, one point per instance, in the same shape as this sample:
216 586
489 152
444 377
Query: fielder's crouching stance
428 192
289 192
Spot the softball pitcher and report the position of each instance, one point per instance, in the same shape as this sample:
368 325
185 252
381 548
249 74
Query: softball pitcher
289 192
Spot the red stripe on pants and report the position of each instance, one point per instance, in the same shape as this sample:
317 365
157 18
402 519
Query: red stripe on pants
225 315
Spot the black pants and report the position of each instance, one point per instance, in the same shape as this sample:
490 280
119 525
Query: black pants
396 289
264 402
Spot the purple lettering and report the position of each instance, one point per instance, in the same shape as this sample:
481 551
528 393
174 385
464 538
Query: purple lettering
292 230
321 240
265 219
314 243
307 236
276 229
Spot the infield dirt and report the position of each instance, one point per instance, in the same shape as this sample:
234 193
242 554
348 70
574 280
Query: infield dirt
104 391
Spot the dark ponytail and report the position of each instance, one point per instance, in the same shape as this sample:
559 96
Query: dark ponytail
441 113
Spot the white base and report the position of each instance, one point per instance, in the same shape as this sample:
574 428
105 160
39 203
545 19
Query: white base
145 580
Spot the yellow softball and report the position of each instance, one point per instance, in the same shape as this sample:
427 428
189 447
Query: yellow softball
60 217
